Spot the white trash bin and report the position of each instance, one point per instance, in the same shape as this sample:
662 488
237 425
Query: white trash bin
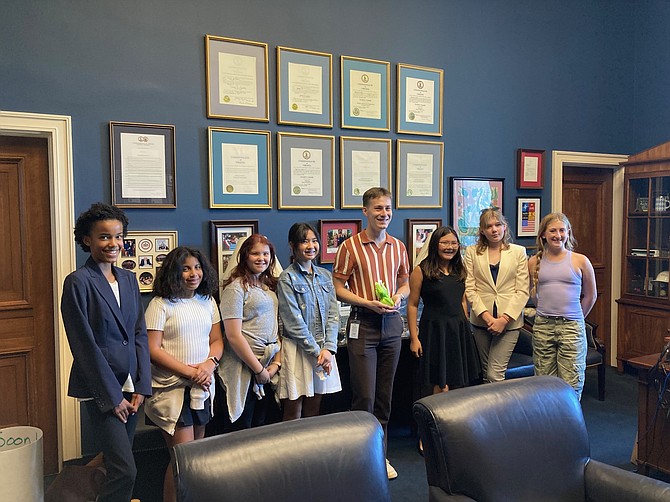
21 468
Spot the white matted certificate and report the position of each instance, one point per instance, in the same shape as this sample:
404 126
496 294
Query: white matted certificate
239 169
419 101
365 94
237 80
365 171
419 175
305 89
306 172
143 166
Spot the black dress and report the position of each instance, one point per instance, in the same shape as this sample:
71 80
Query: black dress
449 353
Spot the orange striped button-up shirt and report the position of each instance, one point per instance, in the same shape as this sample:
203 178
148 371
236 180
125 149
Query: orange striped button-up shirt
361 264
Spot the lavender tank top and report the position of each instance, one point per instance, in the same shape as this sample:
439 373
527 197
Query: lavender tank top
559 288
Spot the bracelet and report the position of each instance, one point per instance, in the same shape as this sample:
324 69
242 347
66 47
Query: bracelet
214 360
275 362
261 371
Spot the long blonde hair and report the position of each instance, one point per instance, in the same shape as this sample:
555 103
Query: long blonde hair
486 215
541 241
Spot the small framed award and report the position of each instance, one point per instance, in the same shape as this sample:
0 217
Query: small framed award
237 79
527 216
142 158
419 174
334 233
420 92
530 169
144 252
304 87
239 168
306 177
418 235
224 238
364 163
365 93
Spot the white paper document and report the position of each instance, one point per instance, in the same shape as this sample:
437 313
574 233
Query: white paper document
419 175
306 172
239 169
143 166
237 80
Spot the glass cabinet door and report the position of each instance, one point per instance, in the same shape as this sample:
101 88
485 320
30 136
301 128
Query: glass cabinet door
648 237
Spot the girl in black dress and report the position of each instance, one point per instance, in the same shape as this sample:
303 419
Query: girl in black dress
443 340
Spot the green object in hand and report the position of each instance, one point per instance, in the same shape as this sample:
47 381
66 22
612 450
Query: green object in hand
383 294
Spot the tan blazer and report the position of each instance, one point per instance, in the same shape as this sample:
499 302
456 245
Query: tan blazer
509 292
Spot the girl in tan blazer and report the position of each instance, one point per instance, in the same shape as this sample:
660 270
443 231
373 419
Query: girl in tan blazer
497 290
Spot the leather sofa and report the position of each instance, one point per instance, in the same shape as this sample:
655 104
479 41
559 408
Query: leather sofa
327 458
521 439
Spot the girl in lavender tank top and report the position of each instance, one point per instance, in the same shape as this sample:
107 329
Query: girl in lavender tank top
563 286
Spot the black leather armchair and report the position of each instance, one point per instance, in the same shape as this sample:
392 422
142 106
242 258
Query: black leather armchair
519 440
327 458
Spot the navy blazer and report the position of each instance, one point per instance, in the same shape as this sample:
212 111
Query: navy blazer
107 342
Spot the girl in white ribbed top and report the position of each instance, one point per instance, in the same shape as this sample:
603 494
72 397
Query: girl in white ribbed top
185 344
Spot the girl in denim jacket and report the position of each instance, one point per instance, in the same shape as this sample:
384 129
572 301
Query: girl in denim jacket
308 309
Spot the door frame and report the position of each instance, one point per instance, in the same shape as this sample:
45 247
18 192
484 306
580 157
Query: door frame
58 131
561 159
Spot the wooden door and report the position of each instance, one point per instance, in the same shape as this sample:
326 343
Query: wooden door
587 202
27 346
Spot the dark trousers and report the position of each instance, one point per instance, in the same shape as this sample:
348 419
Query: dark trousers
116 440
373 359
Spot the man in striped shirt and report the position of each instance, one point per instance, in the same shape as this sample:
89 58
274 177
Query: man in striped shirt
374 328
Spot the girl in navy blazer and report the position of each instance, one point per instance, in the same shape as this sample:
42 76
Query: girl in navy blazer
104 321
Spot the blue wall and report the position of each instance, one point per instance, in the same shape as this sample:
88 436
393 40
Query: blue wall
651 75
555 74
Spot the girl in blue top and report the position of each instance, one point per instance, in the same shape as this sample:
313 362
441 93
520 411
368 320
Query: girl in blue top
308 309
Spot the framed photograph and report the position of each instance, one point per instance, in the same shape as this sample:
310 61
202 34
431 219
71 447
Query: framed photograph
144 252
365 93
306 177
364 163
419 174
143 165
237 79
304 87
223 237
468 197
527 216
530 169
239 168
418 235
333 233
420 100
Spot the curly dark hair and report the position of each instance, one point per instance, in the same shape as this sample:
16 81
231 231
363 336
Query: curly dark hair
97 212
242 271
431 265
169 282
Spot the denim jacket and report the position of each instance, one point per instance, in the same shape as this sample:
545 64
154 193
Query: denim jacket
296 307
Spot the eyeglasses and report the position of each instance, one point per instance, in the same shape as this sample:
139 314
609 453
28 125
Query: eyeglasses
449 244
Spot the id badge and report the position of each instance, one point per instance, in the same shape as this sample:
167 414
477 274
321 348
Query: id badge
354 326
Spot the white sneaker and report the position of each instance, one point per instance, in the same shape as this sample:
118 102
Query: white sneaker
390 471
